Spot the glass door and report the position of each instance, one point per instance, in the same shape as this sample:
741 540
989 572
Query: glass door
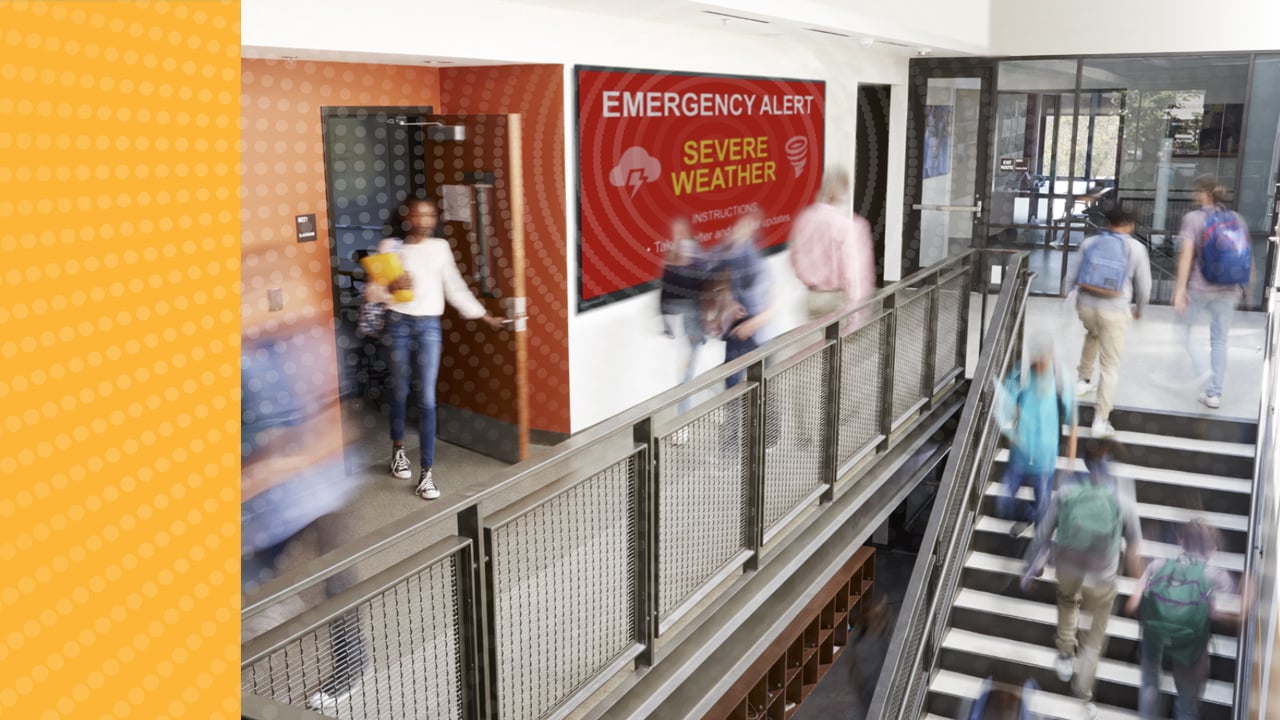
947 161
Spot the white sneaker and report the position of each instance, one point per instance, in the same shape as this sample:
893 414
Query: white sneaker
1065 666
1102 430
400 464
427 489
1090 711
1084 387
1213 402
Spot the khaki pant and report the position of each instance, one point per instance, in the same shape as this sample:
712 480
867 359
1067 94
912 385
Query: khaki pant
1105 332
822 303
1097 601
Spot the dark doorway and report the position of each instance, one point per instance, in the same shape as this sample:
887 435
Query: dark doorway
373 163
871 163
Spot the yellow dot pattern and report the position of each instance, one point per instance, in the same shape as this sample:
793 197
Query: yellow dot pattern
119 216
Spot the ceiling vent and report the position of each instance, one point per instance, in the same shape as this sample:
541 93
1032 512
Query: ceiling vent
727 16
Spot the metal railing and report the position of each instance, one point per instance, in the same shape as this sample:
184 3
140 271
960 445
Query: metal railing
533 593
1258 625
904 680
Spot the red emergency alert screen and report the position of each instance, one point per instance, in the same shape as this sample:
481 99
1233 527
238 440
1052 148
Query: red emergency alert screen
655 146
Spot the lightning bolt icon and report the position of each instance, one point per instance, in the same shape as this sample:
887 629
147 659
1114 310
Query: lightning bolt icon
635 178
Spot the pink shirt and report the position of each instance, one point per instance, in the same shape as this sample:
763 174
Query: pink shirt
831 250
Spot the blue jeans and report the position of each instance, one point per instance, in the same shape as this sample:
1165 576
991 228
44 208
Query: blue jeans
415 351
1189 682
1016 474
735 348
1221 311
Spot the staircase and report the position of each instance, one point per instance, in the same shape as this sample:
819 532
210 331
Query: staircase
997 630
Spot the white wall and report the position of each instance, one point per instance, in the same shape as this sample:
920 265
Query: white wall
1019 27
617 355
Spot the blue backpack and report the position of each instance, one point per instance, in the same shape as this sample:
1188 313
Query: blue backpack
1104 266
1226 254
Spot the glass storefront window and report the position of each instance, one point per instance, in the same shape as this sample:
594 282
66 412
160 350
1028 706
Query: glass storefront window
1179 118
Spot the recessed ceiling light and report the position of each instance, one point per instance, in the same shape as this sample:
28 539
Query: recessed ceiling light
867 42
924 51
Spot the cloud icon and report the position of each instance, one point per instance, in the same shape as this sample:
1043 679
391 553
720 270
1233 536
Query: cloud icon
634 168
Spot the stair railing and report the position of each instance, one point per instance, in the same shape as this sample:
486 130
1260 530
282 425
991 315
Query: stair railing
926 607
1258 627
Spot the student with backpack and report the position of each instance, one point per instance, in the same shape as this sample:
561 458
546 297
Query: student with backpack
1113 271
1090 519
1176 603
1215 264
998 701
1031 414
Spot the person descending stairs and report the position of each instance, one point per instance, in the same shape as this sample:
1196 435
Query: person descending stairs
997 629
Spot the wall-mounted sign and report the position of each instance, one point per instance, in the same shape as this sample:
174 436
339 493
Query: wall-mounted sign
306 227
654 146
1015 164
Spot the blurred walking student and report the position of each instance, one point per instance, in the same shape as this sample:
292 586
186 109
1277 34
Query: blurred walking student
413 331
1215 265
1176 602
739 299
1000 701
832 251
1084 526
684 273
1113 271
1031 415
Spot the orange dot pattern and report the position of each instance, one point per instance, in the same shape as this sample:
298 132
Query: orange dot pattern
119 220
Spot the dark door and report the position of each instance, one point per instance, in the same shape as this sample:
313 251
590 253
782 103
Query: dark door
947 159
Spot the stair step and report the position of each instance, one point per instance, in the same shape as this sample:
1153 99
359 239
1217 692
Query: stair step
1012 568
1130 438
1119 627
1049 705
1041 658
1226 522
1181 478
1151 549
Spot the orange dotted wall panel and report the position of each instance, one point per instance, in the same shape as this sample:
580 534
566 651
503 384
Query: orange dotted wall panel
536 92
283 176
119 468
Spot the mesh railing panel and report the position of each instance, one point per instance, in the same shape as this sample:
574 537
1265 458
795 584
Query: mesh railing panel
396 656
909 348
861 388
702 501
564 585
953 306
795 408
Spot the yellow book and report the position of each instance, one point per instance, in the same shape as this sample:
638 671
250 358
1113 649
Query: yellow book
385 268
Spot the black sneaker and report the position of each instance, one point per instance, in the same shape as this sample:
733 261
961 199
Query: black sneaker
1016 529
400 463
427 489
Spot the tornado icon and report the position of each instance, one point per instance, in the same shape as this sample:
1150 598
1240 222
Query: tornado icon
797 149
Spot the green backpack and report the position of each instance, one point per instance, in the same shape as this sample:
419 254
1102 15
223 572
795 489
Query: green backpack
1089 521
1175 610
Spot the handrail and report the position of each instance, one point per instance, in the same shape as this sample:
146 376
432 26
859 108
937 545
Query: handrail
1264 525
899 691
610 510
326 566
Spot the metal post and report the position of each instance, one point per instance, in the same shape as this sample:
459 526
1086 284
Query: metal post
646 572
888 355
831 412
931 339
962 331
756 408
480 654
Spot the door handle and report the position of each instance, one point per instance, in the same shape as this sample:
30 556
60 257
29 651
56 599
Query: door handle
976 209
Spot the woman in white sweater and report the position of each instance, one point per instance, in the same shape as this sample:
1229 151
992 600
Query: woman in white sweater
413 330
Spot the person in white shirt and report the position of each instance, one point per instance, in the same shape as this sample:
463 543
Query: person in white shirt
412 330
